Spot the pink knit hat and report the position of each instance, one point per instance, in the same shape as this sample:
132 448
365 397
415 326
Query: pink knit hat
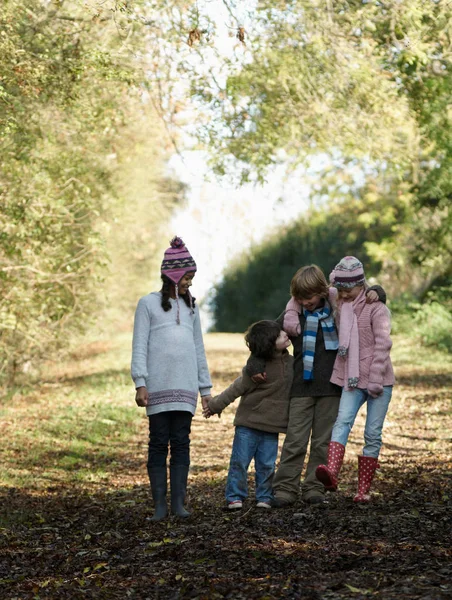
177 261
348 273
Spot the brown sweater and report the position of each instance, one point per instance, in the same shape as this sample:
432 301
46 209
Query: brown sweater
265 406
323 367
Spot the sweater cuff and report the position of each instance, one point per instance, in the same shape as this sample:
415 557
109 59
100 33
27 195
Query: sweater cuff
254 365
213 406
205 391
140 382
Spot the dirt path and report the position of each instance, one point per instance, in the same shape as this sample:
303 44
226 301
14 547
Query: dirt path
65 538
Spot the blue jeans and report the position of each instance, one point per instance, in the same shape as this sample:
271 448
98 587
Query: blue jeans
248 444
351 402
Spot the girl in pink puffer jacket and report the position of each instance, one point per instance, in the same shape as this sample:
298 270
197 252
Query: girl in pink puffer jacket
364 371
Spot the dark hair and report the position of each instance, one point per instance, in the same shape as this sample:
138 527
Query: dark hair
166 294
261 337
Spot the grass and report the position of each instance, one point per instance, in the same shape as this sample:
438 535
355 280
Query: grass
81 422
73 427
81 425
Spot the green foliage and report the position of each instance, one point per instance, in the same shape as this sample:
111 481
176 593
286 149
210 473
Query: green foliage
51 196
365 81
69 83
136 232
433 324
430 322
257 286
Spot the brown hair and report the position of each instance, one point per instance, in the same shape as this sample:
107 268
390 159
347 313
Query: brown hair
309 281
261 338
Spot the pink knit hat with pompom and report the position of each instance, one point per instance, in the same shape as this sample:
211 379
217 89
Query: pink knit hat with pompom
348 273
177 261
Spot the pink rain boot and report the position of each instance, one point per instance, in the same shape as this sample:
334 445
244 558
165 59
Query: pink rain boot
366 471
328 474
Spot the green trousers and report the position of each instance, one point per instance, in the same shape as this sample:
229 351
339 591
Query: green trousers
309 418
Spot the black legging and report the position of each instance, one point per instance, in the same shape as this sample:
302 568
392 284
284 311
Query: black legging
169 428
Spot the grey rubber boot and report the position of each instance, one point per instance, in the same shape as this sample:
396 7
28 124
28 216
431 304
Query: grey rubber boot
178 480
158 479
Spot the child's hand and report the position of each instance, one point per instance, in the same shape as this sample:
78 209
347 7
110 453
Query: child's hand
141 397
371 297
374 389
207 413
259 378
205 401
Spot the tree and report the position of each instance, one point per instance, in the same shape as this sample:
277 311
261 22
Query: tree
368 82
72 76
257 285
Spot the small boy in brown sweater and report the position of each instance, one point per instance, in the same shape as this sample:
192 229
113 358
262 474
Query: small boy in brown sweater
262 414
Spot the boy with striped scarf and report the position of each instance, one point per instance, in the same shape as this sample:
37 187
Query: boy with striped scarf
314 401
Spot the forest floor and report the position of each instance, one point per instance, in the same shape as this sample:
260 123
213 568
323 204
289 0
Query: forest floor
75 499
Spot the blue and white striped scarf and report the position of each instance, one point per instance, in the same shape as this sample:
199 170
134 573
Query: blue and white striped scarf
310 335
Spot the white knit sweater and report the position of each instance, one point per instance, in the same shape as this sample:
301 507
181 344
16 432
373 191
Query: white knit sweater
169 359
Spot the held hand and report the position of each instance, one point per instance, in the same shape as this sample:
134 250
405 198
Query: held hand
259 378
141 397
207 413
371 297
205 401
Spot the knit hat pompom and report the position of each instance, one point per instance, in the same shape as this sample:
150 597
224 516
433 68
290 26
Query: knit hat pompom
348 273
176 242
177 260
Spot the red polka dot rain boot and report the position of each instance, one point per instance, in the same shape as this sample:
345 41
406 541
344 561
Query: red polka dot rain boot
366 471
329 473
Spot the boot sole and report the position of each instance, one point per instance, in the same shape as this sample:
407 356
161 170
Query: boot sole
361 500
278 503
324 477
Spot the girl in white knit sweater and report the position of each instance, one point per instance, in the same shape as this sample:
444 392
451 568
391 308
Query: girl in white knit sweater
169 369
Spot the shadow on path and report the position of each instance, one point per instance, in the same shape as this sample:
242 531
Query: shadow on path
71 543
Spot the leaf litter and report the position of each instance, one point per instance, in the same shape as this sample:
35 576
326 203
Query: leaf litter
95 540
